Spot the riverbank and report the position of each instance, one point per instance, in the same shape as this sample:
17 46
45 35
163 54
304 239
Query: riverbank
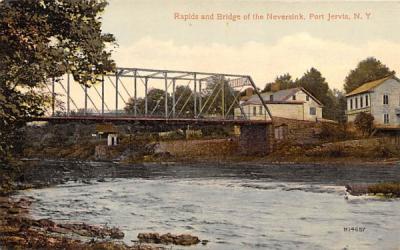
19 231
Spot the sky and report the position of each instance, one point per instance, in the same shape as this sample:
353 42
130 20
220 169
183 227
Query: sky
150 35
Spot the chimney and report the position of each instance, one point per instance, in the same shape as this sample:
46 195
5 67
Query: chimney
276 86
249 92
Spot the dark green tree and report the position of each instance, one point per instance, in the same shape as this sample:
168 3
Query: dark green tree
41 40
364 122
315 83
367 70
155 103
130 106
335 106
285 81
184 101
219 98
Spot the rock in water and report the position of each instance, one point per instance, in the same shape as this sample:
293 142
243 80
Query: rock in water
357 189
166 239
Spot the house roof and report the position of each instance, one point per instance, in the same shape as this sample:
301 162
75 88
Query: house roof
368 86
258 102
281 97
106 128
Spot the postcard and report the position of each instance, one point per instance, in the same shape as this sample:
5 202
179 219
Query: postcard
188 124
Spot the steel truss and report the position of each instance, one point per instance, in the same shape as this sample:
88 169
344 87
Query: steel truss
201 97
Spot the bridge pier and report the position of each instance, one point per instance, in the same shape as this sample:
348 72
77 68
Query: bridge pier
256 139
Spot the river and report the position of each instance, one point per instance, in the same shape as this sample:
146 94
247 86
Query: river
239 206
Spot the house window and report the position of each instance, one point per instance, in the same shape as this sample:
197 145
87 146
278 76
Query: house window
366 101
385 99
361 102
313 111
356 103
386 118
271 97
254 111
260 110
351 104
294 97
307 98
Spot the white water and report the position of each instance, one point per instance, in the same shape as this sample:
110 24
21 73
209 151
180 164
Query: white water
232 213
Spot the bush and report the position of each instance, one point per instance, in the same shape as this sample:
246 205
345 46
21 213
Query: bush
335 132
364 122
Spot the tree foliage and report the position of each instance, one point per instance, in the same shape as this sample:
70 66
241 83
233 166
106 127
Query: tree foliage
155 103
337 110
364 122
314 83
41 40
220 97
367 70
285 81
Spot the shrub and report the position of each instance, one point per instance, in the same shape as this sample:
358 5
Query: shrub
335 132
364 122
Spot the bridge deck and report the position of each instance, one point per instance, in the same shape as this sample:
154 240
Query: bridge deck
177 121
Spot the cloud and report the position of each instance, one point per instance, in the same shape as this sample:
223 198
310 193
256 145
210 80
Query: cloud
263 61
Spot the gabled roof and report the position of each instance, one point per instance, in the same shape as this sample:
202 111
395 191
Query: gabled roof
106 128
281 96
368 86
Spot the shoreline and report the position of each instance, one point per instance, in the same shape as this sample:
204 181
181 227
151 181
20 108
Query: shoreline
238 160
20 231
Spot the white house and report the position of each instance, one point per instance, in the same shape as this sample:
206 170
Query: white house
380 98
295 103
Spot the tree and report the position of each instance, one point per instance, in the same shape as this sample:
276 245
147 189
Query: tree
338 111
285 81
42 40
184 101
364 122
314 83
367 70
219 97
155 103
